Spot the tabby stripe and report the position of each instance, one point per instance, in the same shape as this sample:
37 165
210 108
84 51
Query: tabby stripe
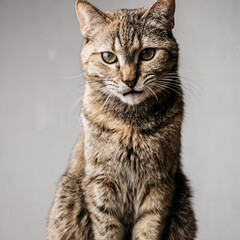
102 212
118 36
102 209
145 214
82 214
147 192
107 228
109 185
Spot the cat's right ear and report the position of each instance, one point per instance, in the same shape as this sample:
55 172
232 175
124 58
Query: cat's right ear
90 18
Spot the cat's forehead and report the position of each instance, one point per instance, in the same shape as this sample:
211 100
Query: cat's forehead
126 29
127 32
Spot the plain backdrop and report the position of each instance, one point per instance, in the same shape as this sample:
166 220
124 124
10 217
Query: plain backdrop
40 93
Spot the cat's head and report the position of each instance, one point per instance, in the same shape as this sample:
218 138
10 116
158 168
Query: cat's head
129 54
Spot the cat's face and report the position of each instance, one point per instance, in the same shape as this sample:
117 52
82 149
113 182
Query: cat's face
129 56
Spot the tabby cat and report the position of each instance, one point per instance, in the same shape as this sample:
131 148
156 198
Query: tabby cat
125 179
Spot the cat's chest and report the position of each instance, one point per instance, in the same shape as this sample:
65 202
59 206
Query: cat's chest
127 162
130 156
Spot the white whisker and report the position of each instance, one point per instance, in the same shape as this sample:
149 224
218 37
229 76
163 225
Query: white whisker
80 75
164 85
153 92
75 105
105 101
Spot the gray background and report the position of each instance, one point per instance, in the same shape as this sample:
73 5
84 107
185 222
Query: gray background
39 108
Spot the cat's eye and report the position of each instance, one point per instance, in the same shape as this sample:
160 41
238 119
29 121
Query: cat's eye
147 54
109 57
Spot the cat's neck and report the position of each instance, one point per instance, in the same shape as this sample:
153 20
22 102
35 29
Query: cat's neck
115 114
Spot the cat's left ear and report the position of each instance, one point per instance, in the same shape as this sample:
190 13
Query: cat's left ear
90 18
165 8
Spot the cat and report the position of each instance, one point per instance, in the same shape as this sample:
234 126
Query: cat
125 179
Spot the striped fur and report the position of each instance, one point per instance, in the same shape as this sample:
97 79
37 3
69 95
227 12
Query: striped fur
125 180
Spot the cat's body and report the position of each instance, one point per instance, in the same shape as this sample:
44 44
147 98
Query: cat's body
125 179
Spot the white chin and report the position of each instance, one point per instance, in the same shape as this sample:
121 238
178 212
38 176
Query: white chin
132 99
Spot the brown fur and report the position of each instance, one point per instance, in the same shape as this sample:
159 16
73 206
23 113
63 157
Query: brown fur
125 180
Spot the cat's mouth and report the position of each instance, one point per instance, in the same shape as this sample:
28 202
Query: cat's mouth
132 92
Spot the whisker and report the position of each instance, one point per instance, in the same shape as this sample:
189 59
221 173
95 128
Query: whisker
75 105
111 96
165 89
174 78
173 89
148 91
112 81
105 101
113 85
149 79
160 86
181 76
178 83
78 87
98 95
170 81
153 92
80 75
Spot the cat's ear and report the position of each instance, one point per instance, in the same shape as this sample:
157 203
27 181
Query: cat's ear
164 8
90 18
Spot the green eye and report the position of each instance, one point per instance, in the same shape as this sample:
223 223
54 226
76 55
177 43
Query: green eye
147 54
109 57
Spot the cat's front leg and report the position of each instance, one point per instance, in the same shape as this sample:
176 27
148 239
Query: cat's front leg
69 216
103 202
153 203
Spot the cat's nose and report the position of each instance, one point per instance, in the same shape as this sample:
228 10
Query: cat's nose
131 83
128 74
